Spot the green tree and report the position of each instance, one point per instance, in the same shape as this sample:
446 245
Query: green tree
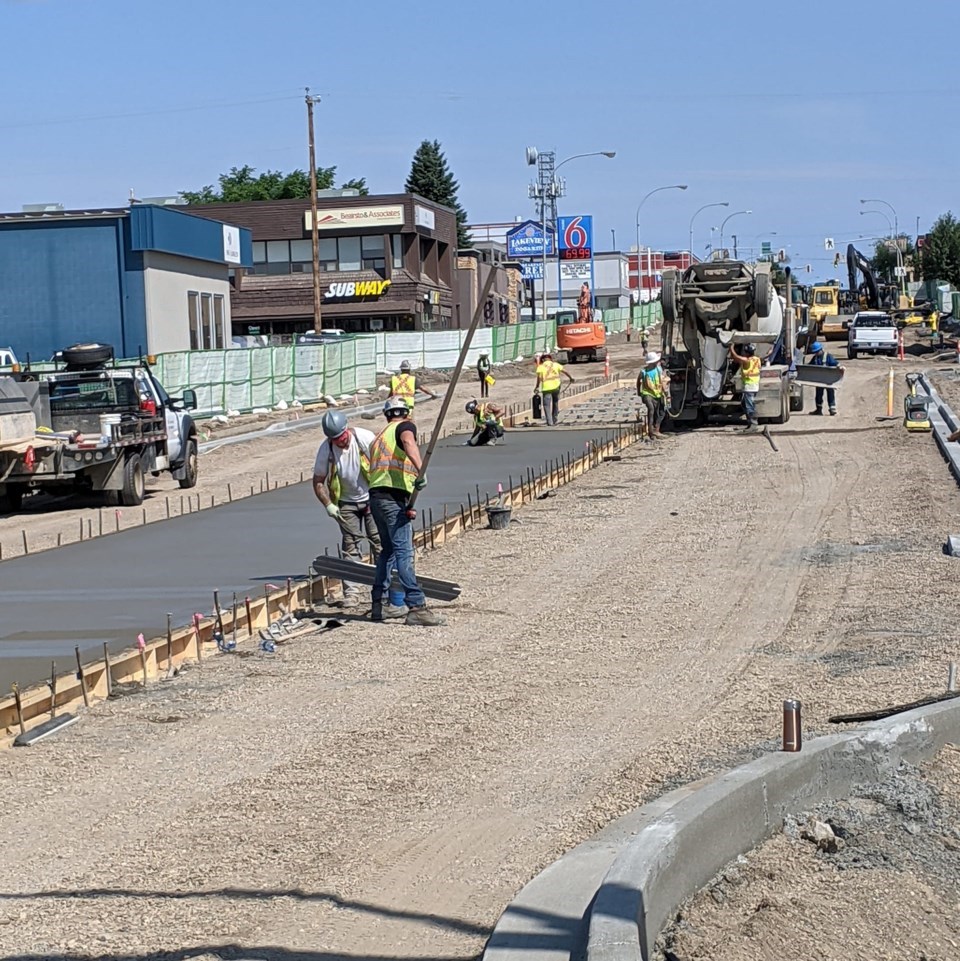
940 259
884 259
430 177
241 184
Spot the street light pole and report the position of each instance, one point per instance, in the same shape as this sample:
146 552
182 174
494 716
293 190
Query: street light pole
723 224
650 193
896 226
896 247
314 234
721 203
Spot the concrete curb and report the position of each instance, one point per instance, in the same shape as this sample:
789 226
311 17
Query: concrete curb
656 857
944 422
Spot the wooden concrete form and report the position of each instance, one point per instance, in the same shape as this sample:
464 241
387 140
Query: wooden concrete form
191 644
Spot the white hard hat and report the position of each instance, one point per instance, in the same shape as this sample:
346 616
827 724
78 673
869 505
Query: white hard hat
652 358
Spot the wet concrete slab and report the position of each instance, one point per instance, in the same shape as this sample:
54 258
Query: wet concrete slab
109 589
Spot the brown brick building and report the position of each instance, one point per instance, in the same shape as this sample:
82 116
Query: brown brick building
386 263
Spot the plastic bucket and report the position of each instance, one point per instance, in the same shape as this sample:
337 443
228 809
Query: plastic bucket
499 518
107 423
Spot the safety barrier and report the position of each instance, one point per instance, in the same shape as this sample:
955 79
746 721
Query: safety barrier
160 657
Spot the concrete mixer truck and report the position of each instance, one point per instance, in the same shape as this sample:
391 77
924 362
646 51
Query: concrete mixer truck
706 308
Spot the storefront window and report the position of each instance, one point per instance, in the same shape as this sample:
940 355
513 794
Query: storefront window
349 253
396 241
205 320
372 249
193 319
259 252
301 256
278 257
328 255
218 321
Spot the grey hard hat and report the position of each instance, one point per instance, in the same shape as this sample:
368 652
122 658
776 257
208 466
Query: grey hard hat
404 364
470 407
395 405
334 423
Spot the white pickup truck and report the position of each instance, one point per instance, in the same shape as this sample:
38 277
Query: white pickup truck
872 331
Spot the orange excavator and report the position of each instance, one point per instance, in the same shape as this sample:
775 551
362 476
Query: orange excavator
580 341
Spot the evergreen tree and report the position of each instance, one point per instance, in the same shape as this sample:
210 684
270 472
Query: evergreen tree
430 177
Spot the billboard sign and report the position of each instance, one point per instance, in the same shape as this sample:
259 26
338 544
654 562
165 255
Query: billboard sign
526 240
576 270
576 237
333 219
532 270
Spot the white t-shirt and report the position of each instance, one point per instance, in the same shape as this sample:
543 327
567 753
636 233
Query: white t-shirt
353 485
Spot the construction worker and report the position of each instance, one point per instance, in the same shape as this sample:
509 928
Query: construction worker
487 423
483 372
393 476
340 483
548 385
651 387
405 385
750 373
822 358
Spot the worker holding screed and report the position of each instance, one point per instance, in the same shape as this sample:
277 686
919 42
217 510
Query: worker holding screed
340 483
395 466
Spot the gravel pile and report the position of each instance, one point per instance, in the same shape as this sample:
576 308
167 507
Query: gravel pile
874 876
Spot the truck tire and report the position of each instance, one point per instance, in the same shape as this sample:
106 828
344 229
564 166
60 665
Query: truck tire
796 402
668 295
761 293
190 465
784 414
83 356
851 353
134 483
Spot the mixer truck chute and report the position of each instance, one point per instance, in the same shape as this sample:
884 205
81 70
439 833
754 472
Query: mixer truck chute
705 309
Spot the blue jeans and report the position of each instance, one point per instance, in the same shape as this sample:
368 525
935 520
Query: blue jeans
389 507
749 406
831 398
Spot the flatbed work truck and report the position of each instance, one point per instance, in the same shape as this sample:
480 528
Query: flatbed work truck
94 425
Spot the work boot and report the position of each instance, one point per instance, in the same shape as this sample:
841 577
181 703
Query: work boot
752 429
816 412
833 411
424 617
381 612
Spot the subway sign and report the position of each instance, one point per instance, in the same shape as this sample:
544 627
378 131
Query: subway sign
355 290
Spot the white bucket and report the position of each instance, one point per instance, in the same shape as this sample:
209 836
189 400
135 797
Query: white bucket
107 423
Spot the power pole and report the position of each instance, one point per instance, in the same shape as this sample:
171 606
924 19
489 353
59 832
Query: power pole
314 233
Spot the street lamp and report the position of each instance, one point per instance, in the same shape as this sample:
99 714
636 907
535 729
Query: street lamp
896 246
639 205
896 228
722 203
723 224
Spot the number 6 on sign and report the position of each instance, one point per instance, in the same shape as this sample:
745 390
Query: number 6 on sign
575 233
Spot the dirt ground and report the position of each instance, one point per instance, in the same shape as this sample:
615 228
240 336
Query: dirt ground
894 869
383 792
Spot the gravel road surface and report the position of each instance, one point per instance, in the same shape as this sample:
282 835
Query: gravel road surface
382 792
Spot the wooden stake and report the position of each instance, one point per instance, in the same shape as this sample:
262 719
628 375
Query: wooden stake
143 665
246 602
53 689
230 493
26 548
106 664
83 679
19 705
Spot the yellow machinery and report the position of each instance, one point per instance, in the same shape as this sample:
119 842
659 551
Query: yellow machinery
915 413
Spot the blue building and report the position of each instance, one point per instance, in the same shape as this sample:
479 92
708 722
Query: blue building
144 278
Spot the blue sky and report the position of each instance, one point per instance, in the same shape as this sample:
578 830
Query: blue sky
792 112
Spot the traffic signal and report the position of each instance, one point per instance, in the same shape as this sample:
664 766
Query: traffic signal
488 311
504 315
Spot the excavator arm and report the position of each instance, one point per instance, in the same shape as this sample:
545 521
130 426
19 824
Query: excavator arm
856 262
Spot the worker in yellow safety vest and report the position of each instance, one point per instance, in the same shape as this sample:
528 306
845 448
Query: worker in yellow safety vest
549 373
395 472
487 423
405 385
750 375
651 386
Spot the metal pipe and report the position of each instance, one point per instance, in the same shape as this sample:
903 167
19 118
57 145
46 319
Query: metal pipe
792 730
